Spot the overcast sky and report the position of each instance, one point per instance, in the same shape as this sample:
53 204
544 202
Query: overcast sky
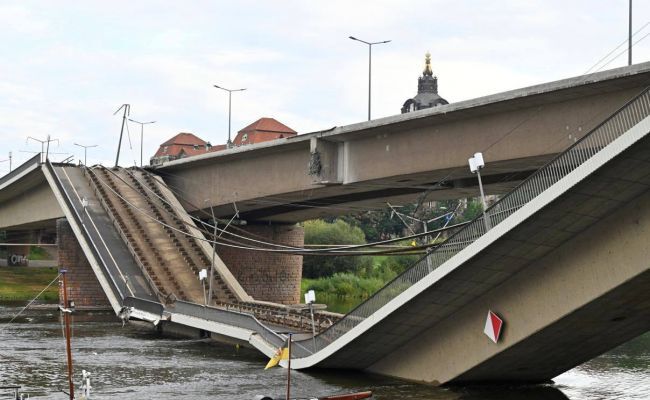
66 66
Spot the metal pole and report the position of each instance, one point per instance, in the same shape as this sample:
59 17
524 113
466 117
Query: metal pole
289 371
369 78
629 37
66 318
47 153
229 108
119 144
85 154
9 161
480 185
313 325
214 247
141 142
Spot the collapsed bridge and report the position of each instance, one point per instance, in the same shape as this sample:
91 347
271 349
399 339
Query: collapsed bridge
564 261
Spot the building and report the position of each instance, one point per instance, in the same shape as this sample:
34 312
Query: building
263 130
427 96
183 145
187 144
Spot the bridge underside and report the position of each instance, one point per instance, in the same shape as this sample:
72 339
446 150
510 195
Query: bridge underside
571 283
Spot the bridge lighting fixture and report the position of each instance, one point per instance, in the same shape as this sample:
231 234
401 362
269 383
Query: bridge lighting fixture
476 163
370 44
85 150
229 143
142 124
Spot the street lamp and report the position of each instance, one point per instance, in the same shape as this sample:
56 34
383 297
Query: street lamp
229 143
369 66
85 150
142 124
475 165
42 142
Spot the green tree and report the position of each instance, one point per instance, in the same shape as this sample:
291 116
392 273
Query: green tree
338 232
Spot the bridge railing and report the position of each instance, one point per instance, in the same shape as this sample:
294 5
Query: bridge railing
117 290
605 133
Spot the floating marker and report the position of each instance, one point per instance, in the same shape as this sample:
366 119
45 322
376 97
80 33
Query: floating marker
493 325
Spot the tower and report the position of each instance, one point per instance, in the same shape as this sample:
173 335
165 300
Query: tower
427 96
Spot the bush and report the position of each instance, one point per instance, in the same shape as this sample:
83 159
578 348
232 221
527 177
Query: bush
336 233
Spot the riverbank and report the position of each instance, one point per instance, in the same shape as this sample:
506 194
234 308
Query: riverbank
23 284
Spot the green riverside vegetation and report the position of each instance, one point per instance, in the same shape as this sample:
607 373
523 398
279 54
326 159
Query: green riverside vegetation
23 284
343 282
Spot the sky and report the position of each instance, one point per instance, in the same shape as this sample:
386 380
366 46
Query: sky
67 66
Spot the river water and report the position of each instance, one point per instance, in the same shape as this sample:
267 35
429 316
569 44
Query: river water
132 362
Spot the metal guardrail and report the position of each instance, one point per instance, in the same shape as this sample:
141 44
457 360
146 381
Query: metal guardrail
228 317
87 236
605 133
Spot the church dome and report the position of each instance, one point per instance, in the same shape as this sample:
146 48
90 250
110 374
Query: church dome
427 96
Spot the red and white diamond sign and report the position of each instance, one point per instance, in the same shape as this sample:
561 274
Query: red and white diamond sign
493 325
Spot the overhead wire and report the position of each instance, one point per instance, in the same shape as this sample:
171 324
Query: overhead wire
303 251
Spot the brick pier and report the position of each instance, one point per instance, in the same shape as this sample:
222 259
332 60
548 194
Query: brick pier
83 286
268 276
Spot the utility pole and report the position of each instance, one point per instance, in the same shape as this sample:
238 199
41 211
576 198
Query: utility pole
127 111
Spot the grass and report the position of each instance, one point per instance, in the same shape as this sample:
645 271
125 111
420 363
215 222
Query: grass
23 284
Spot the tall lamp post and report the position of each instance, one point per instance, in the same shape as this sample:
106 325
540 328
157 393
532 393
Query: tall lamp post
142 124
45 155
475 165
370 44
229 143
85 150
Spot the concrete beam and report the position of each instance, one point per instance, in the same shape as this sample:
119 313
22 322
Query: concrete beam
583 299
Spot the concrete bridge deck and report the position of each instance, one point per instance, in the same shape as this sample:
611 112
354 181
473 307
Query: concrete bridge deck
565 262
397 158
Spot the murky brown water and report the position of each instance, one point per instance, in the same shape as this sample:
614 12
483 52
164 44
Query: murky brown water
133 363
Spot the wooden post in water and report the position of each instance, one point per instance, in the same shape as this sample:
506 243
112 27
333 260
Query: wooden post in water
66 318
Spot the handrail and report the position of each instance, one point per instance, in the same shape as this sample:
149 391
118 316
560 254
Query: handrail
84 230
561 165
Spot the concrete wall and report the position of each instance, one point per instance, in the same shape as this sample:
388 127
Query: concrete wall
268 276
83 286
35 205
583 299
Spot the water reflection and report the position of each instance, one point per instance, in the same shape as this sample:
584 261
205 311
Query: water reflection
135 363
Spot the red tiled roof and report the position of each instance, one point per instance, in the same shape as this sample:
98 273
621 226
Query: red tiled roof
186 143
185 138
262 130
268 125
